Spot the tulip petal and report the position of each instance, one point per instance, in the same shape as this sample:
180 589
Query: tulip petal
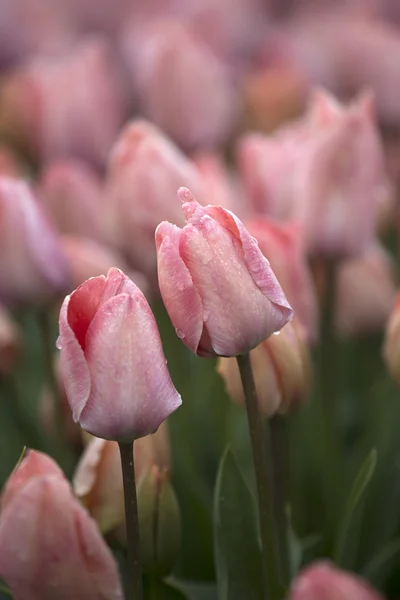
84 302
176 285
122 340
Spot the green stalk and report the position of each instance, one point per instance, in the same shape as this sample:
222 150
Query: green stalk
263 473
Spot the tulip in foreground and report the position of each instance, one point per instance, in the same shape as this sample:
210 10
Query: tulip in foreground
322 581
50 548
112 363
392 342
219 290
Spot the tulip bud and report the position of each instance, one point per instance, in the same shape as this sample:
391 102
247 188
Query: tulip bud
159 523
98 477
322 581
112 363
182 85
72 195
10 342
391 348
219 290
366 291
145 170
282 371
50 547
32 266
282 245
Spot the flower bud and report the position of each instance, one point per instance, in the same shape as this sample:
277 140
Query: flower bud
112 363
10 342
322 581
219 290
50 548
159 523
33 267
98 477
391 348
282 371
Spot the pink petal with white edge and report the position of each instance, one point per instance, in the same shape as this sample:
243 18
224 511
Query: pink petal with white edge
183 301
131 385
73 366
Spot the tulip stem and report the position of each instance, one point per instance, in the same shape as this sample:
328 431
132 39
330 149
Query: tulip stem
135 587
264 478
279 452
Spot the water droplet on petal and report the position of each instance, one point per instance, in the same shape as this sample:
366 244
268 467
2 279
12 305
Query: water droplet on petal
58 343
180 334
276 333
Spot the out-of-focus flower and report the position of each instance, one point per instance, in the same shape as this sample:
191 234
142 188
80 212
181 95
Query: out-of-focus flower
144 174
323 581
66 106
282 371
10 342
159 522
273 96
98 15
112 362
366 290
281 244
33 267
219 290
326 171
219 184
98 478
50 547
181 84
392 342
87 258
72 193
9 165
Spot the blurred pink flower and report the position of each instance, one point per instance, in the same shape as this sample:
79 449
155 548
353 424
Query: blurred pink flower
281 244
220 185
10 342
50 547
67 106
181 84
33 267
323 581
144 173
112 362
365 293
220 292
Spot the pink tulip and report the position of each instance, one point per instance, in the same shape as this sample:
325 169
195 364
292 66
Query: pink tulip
322 581
391 348
50 548
87 258
219 290
112 363
10 342
72 193
66 106
181 84
281 245
32 266
144 174
365 293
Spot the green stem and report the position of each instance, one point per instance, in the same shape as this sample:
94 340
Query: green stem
279 452
135 589
155 589
263 473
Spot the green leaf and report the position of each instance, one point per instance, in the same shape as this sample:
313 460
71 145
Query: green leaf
237 549
5 591
381 564
357 492
195 590
156 589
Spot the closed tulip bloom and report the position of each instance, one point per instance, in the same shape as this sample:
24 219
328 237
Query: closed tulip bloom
33 267
282 371
323 581
392 342
144 172
366 290
10 342
112 363
98 478
219 290
182 85
282 246
50 548
72 194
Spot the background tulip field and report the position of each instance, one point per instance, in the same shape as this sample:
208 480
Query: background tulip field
287 114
